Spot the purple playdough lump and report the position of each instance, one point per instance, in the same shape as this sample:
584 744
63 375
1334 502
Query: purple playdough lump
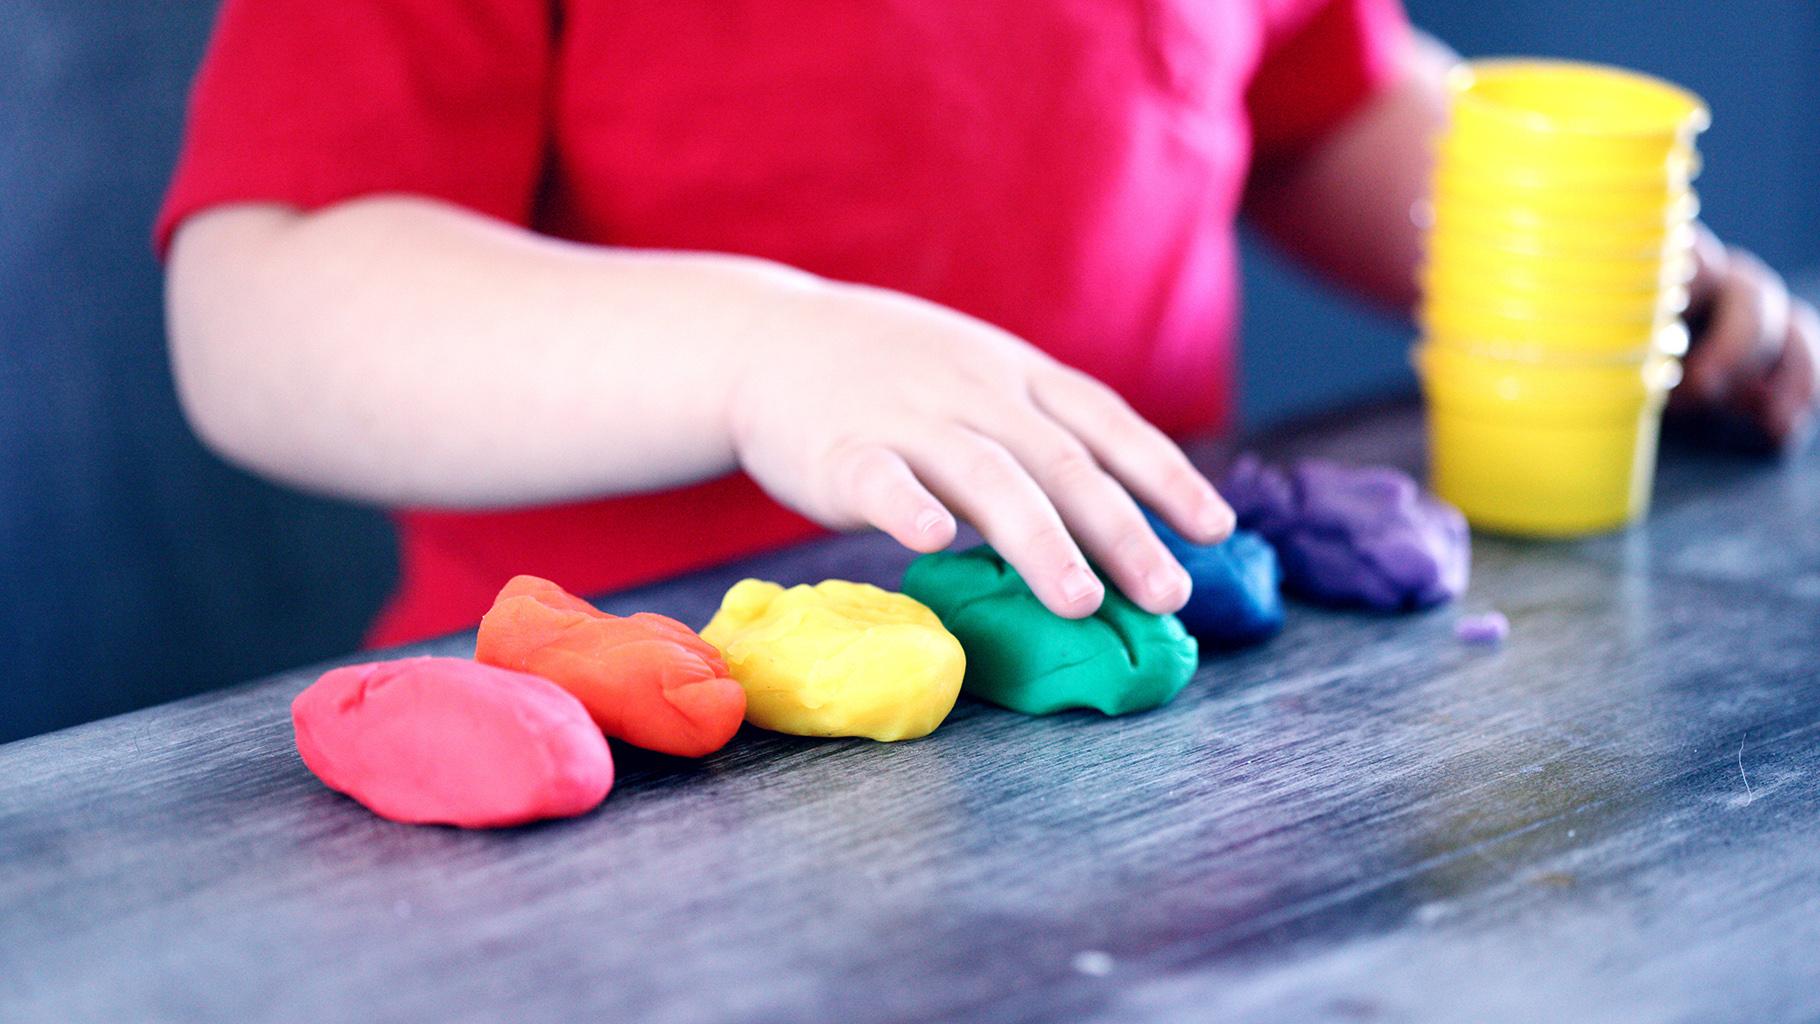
1353 535
1488 629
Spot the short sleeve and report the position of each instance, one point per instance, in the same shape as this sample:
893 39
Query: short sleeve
309 102
1322 60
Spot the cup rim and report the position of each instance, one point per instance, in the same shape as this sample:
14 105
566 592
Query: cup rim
1527 391
1498 242
1669 343
1548 334
1671 173
1639 307
1529 191
1642 267
1555 234
1503 280
1466 82
1663 218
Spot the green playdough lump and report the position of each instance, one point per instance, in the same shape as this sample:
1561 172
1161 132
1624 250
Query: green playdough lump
1022 656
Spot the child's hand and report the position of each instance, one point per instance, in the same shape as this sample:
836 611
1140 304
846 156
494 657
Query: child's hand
1756 349
890 411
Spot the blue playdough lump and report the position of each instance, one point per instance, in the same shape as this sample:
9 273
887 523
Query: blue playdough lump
1237 599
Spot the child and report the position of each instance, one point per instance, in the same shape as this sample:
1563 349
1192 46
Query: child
605 291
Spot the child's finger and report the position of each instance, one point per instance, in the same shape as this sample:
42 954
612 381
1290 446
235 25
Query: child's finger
1793 384
981 480
1140 456
1744 330
1710 260
876 485
1099 513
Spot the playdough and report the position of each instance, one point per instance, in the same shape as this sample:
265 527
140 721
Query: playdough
1353 535
1488 629
646 679
1237 598
838 659
450 742
1022 656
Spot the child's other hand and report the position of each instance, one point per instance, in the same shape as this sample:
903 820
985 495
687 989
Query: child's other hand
1755 350
882 409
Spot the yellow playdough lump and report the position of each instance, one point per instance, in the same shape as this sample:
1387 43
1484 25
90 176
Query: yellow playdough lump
838 659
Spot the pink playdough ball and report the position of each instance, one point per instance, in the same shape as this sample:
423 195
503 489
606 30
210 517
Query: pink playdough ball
450 741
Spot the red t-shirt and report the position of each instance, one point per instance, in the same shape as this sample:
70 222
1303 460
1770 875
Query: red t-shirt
1068 170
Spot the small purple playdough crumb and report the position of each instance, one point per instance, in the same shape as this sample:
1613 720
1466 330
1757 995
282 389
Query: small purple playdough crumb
1353 535
1489 628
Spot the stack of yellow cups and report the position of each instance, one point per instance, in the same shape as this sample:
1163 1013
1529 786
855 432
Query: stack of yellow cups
1556 274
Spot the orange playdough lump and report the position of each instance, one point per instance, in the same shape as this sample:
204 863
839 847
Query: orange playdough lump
646 679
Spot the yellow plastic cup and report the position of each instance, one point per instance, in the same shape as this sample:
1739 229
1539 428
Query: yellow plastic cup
1471 273
1493 244
1493 212
1570 115
1648 271
1540 202
1543 450
1553 159
1570 337
1586 239
1536 170
1507 297
1671 340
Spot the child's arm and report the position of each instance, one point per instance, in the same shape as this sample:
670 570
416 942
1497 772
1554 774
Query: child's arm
1344 206
405 351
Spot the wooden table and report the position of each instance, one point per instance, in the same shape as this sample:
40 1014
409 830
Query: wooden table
1615 817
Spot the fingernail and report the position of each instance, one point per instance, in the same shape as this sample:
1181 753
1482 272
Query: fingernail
1217 517
928 521
1165 584
1079 584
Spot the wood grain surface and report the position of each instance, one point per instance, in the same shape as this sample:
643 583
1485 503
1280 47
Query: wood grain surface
1614 817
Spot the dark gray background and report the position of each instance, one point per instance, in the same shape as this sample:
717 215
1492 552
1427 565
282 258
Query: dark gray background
134 568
